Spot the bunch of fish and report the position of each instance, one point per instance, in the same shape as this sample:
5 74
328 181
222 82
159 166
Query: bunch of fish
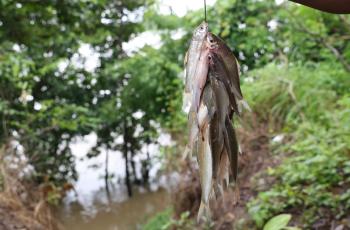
213 94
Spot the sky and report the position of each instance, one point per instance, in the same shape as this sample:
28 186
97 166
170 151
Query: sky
178 7
181 7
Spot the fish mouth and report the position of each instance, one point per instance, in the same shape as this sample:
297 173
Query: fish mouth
212 46
204 25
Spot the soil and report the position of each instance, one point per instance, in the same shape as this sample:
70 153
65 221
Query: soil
13 216
21 202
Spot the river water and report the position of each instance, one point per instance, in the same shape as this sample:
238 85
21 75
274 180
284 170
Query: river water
92 207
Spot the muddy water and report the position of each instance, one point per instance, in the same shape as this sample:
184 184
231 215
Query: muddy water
96 206
129 214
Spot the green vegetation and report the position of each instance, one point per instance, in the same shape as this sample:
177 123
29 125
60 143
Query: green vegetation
313 179
295 63
279 222
159 221
164 221
298 81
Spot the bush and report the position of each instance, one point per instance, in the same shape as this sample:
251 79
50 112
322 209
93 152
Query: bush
312 104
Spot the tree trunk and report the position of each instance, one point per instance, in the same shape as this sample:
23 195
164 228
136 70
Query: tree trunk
125 152
136 180
145 168
107 176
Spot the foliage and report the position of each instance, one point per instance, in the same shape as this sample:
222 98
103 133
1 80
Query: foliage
314 176
49 95
303 94
164 221
279 222
159 221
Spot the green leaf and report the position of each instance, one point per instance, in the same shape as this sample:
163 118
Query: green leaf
278 222
291 228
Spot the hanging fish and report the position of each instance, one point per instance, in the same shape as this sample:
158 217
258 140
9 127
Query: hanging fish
204 153
213 91
218 46
196 64
220 72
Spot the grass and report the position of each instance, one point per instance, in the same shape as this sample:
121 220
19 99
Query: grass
159 221
310 105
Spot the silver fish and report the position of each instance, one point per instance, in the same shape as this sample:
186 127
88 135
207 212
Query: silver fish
205 163
193 54
197 121
196 65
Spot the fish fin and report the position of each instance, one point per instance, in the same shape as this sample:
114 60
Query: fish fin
232 148
220 189
243 104
231 95
186 58
213 193
215 189
186 102
223 175
204 212
202 115
236 194
187 153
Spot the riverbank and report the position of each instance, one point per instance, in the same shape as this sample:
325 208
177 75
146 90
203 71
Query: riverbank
22 205
295 155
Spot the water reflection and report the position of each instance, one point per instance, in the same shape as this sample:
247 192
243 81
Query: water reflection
94 207
127 214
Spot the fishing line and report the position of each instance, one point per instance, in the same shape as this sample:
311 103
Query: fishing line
205 10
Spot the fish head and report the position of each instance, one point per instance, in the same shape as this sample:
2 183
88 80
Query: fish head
212 41
201 31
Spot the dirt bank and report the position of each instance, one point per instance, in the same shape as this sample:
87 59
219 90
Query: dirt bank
21 202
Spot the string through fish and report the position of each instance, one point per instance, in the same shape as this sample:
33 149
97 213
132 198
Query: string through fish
205 10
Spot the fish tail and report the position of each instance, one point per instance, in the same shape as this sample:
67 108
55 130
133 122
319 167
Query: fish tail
233 148
220 189
215 190
214 193
236 194
224 169
240 150
227 178
187 153
203 212
186 103
243 104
